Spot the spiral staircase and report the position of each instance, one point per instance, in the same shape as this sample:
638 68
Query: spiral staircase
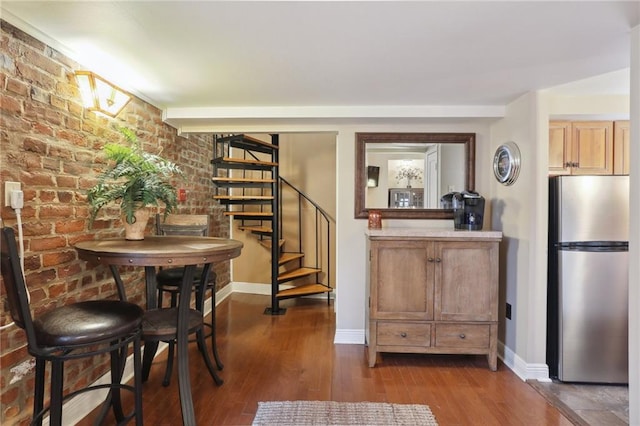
248 184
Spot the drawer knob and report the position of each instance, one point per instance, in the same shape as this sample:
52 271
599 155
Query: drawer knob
430 259
403 334
438 260
462 336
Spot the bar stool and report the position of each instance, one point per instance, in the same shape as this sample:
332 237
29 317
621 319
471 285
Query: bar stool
79 330
169 279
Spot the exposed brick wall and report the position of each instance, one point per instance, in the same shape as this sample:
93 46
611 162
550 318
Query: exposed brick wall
50 144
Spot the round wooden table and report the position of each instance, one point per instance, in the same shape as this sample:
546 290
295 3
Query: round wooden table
166 251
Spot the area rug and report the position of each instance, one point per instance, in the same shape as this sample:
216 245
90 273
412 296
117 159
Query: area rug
342 413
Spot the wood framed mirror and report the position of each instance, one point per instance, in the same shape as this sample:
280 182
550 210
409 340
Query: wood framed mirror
414 172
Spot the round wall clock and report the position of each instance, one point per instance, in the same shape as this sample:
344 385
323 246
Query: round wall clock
506 163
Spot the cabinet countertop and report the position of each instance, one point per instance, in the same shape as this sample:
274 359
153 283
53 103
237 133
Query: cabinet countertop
433 233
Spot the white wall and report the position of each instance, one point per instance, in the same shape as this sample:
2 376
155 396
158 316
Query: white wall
634 235
519 211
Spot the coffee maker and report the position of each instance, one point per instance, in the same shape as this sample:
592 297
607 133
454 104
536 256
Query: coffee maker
468 210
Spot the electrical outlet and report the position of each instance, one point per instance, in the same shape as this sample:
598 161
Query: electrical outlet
8 188
508 311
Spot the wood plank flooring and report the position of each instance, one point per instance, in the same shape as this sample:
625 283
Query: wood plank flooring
292 357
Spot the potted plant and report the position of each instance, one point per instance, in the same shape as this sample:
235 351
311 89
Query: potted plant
137 180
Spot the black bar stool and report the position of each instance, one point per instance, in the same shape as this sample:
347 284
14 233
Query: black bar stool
169 279
79 330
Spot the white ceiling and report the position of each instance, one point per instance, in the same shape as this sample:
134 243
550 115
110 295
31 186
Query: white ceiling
208 55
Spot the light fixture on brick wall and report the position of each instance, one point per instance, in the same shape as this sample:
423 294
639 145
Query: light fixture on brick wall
100 95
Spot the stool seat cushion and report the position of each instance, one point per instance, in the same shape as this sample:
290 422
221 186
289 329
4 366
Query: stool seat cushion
175 274
168 279
87 322
161 323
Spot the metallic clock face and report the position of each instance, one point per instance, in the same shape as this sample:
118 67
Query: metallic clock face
506 163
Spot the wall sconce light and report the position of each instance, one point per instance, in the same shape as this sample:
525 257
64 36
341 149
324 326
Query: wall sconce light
100 95
373 173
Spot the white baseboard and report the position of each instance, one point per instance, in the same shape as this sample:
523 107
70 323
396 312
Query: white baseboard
349 337
526 371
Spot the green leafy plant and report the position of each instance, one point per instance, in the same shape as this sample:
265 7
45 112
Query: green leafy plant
136 179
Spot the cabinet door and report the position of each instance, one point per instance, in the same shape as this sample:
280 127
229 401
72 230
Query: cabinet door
592 147
466 281
560 148
401 280
621 140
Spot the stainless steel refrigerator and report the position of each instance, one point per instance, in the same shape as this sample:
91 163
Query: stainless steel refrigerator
587 327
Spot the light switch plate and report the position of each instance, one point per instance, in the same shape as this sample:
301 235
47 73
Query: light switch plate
8 187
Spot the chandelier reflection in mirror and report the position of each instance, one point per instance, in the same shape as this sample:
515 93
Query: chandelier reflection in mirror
100 95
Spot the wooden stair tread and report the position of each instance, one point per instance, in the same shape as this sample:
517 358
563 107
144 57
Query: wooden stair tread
245 138
289 257
303 290
297 273
261 229
232 160
240 213
243 197
259 142
241 180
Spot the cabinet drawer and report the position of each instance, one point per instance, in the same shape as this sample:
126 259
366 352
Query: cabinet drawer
403 334
463 335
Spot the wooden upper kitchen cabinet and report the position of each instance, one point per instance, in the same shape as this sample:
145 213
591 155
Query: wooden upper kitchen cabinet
621 141
433 291
581 147
560 148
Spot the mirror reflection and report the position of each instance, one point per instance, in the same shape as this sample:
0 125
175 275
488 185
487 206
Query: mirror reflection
407 175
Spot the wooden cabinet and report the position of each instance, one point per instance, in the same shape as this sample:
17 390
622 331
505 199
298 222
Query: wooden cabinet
581 147
406 197
621 140
560 159
436 293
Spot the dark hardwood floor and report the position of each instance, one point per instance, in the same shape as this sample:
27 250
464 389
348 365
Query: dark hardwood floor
292 357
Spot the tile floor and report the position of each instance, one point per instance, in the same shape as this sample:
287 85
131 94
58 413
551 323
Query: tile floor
588 404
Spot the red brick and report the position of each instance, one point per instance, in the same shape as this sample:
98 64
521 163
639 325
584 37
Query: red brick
66 181
17 87
74 137
51 163
60 152
37 229
58 258
12 358
55 211
42 129
76 169
66 196
9 396
35 179
69 271
58 102
48 243
9 104
34 145
10 411
47 196
56 290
